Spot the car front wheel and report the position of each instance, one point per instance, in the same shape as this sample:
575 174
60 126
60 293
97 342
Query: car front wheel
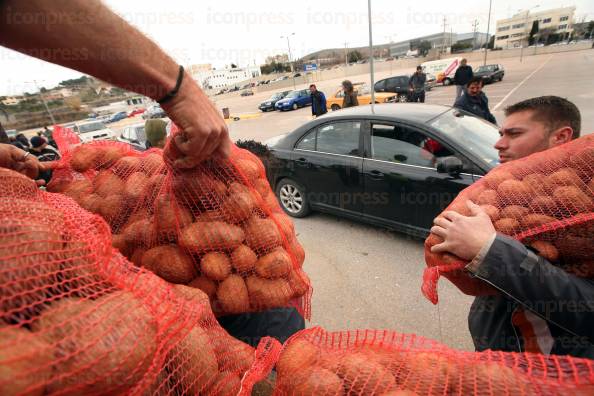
291 196
295 107
447 81
402 98
335 107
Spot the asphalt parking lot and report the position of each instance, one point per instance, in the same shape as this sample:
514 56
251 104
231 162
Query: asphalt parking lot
367 277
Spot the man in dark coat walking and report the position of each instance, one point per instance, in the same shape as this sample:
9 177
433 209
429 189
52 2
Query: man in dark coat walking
318 101
475 101
462 77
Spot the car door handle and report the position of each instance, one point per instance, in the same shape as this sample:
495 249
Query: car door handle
375 174
301 161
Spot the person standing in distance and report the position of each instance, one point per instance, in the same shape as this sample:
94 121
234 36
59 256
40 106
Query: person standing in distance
318 101
350 96
462 77
416 86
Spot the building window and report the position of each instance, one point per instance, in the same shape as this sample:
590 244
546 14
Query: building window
561 27
517 34
503 28
518 26
546 20
502 37
563 18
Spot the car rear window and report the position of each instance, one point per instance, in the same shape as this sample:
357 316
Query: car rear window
339 138
91 127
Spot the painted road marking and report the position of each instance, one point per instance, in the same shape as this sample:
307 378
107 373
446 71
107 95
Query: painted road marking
520 84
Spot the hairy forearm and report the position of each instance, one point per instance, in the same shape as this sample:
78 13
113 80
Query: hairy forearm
87 36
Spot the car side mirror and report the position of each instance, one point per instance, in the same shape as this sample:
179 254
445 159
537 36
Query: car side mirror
450 165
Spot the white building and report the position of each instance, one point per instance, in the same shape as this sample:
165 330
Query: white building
222 78
514 32
12 100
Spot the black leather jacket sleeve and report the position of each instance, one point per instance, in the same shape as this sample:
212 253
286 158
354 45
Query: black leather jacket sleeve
559 297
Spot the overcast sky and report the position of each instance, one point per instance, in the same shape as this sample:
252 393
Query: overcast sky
240 31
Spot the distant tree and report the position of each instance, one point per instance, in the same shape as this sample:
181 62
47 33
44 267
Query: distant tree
533 32
42 90
82 80
424 47
233 66
74 102
354 56
460 47
590 28
490 44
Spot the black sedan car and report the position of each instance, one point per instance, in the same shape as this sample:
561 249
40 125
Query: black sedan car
268 104
393 165
490 73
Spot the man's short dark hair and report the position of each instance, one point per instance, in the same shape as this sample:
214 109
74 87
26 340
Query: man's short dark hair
553 111
475 80
313 85
419 68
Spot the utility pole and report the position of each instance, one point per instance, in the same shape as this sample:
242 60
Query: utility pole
371 54
488 39
346 54
290 62
444 36
527 38
44 103
474 27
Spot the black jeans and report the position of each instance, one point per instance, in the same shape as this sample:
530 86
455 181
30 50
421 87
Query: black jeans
418 97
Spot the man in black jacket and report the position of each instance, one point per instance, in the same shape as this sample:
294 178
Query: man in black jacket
318 101
475 101
462 77
540 307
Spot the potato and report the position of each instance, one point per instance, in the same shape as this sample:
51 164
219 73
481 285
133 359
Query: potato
572 199
193 188
136 257
508 226
14 184
60 319
262 235
514 211
30 262
125 166
268 293
224 384
514 192
297 251
494 178
204 284
564 177
493 378
119 242
192 362
170 218
238 207
232 354
243 259
248 169
106 183
299 282
583 159
152 164
545 205
195 297
140 232
85 157
460 207
536 220
170 263
210 215
233 295
109 155
112 208
25 362
590 187
262 187
237 188
296 356
400 392
154 185
492 211
538 183
275 264
216 266
546 250
91 202
207 236
272 203
285 224
312 381
115 336
364 376
136 185
487 197
78 188
428 372
574 247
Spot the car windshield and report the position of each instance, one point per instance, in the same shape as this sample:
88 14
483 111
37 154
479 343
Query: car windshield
293 94
91 127
488 68
276 96
474 134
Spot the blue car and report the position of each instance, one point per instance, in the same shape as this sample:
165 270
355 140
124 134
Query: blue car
294 100
118 116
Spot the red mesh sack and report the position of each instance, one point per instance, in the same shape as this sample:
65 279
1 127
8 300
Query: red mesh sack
217 227
545 201
77 318
381 362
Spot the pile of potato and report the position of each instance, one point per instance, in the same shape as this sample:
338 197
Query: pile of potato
316 362
77 318
217 228
546 201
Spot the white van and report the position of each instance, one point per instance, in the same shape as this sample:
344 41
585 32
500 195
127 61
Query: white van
92 130
443 69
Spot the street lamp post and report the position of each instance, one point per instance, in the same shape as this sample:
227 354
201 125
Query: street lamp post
488 40
371 53
526 23
44 103
290 62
